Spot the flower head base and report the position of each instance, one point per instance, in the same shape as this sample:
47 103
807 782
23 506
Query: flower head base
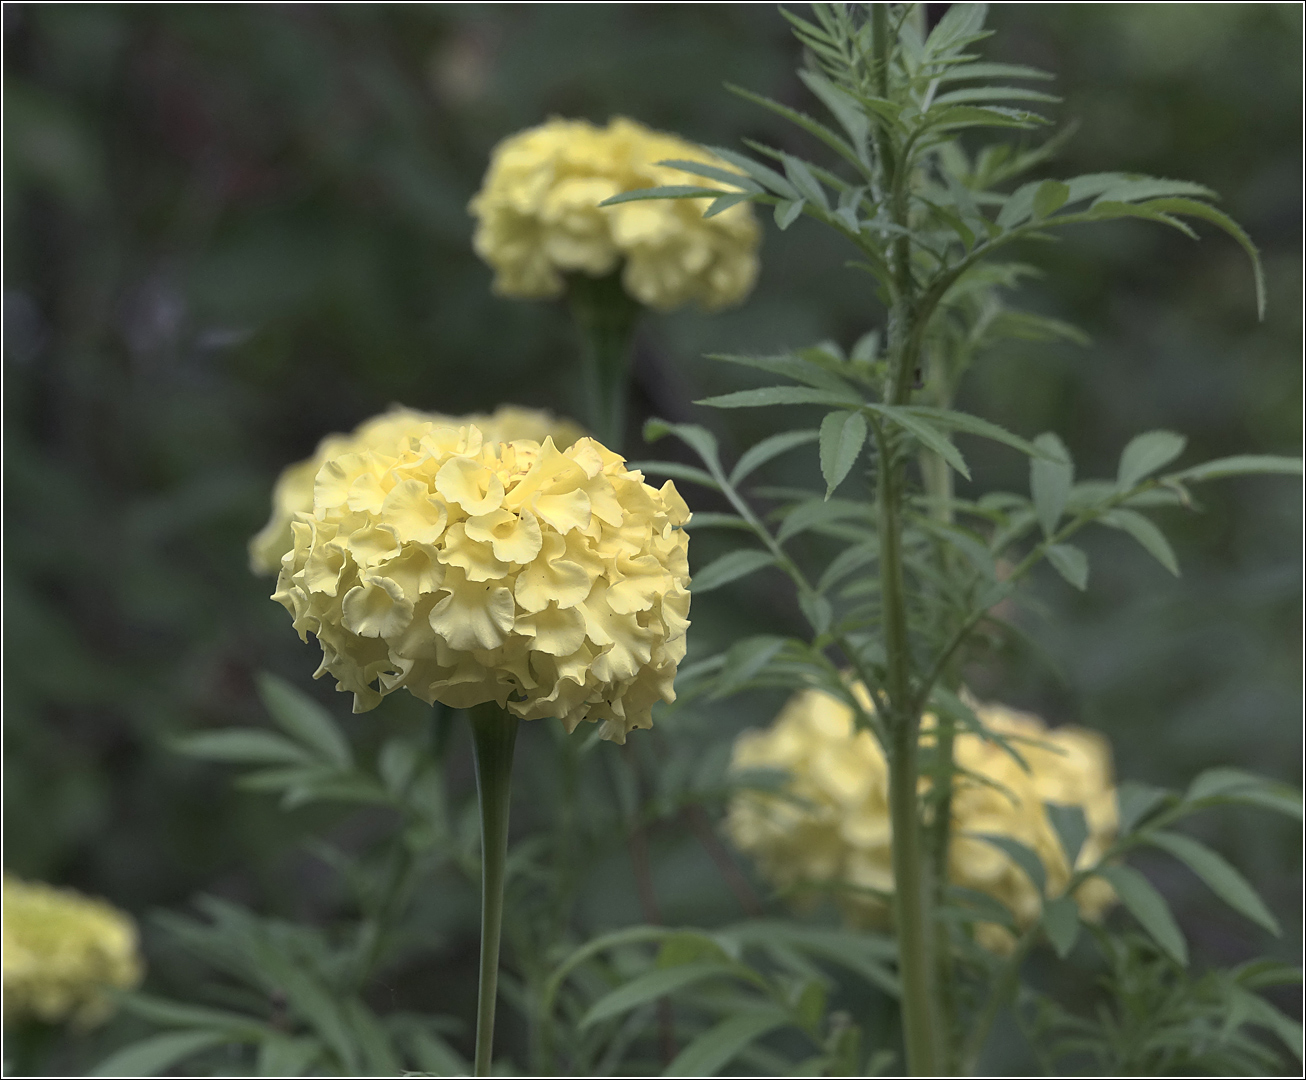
830 824
61 950
293 492
539 219
550 582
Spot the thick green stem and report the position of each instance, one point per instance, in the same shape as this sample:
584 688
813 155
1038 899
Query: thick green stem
605 317
494 733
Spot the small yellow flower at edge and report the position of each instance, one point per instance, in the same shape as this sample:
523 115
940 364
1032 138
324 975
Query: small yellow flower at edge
61 951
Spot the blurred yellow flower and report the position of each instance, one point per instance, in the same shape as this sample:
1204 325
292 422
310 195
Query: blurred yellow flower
60 951
552 582
539 219
829 824
293 492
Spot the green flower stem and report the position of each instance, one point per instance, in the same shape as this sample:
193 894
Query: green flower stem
494 734
605 317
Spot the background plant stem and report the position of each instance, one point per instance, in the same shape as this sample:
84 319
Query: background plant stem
494 734
605 317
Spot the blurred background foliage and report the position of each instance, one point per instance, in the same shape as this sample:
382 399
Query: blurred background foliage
231 230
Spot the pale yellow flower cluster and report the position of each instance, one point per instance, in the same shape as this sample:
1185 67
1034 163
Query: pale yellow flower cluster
293 492
539 219
830 826
552 582
61 950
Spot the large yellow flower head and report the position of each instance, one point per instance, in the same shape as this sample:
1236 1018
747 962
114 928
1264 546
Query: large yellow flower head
61 951
830 825
293 492
539 219
552 582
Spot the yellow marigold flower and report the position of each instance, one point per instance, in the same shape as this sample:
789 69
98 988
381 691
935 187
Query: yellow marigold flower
539 219
293 492
61 950
830 824
552 582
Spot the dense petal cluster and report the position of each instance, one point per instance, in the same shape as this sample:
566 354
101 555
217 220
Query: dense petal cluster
293 492
829 825
61 951
539 219
552 582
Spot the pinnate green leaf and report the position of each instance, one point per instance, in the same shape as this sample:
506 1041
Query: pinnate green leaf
781 395
924 432
1071 826
243 746
652 985
1239 465
1146 533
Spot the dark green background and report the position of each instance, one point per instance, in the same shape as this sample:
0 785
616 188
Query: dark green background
230 230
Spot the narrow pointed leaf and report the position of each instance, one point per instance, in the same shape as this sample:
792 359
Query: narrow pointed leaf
1050 479
151 1056
756 456
651 986
719 1044
667 191
1146 533
1150 909
1071 827
304 719
1070 563
1229 885
697 438
1135 801
1061 923
925 432
729 568
1220 219
1239 465
787 211
674 469
712 172
781 395
244 746
1021 855
974 425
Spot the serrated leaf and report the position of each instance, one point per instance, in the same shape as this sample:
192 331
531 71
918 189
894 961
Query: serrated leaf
651 986
1145 454
843 434
842 106
1021 855
812 127
242 746
763 174
1239 465
729 568
1150 909
1070 563
1147 534
719 1044
1050 480
803 367
780 395
743 660
1061 923
151 1056
1135 801
925 432
773 446
1049 197
304 719
817 610
1229 885
1071 826
1221 220
817 512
